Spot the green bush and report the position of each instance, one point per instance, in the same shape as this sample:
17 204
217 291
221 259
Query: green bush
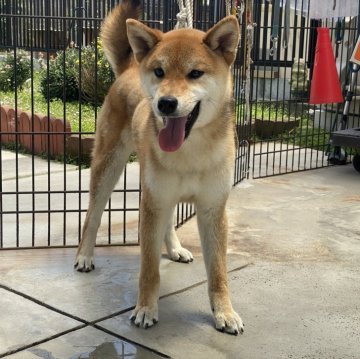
59 81
62 79
96 73
11 75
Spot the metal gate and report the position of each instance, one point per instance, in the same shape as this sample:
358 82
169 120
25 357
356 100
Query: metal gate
48 118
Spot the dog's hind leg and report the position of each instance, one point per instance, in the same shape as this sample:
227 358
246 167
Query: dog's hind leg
107 165
213 232
174 248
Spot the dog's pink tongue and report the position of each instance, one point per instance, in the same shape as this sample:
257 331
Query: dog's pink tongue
172 136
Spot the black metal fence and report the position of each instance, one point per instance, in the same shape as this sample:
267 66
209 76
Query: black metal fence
56 77
48 118
289 135
42 25
50 25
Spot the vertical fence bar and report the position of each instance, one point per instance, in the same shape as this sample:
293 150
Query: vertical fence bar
64 42
30 42
16 129
1 179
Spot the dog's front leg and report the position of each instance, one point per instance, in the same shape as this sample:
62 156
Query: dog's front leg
153 224
212 224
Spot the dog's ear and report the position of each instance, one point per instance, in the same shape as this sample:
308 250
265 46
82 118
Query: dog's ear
223 38
141 38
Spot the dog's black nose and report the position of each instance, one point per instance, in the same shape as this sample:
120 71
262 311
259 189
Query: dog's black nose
167 104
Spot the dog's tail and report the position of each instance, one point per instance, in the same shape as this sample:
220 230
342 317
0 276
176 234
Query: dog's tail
114 36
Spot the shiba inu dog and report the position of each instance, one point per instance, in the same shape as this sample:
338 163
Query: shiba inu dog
172 102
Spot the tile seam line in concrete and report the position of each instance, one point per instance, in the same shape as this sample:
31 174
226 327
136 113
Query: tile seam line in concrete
201 283
84 325
99 327
42 304
38 342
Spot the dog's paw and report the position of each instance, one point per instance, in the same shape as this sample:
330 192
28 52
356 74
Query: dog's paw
180 254
84 263
145 317
229 322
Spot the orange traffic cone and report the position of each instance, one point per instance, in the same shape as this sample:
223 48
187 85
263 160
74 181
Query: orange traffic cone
325 84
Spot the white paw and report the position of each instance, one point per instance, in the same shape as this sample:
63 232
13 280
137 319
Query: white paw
84 263
229 322
180 254
145 317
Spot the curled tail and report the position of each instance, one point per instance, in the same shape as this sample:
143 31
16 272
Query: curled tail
114 36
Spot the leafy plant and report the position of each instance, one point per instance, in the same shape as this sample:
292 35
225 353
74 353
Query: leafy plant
59 81
96 74
69 73
309 136
15 70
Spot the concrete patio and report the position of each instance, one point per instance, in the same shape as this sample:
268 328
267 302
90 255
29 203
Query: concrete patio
294 275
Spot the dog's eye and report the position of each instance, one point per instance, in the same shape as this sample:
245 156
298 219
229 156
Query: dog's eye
195 74
159 72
